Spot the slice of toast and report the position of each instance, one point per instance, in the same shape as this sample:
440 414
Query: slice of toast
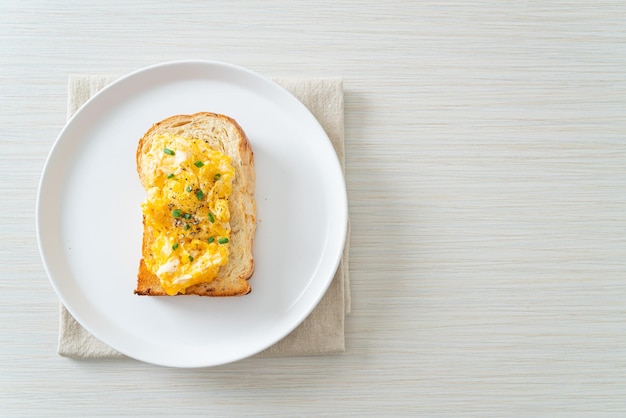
225 135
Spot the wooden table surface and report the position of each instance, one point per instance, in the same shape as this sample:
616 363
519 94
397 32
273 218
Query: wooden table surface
486 172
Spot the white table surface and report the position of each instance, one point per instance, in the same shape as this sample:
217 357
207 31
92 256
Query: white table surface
486 171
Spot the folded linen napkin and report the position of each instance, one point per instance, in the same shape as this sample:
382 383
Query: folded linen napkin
323 331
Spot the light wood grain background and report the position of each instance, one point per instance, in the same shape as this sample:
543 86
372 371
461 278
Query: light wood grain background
485 157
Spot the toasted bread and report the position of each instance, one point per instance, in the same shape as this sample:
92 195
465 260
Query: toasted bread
225 135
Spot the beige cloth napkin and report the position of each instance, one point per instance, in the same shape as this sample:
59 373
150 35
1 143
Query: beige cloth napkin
323 331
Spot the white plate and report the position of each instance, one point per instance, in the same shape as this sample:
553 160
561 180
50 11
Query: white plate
89 222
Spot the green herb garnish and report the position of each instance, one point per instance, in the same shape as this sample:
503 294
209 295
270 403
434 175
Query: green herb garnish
187 216
175 246
198 164
211 239
217 177
170 176
190 258
186 227
168 151
199 194
222 240
176 213
211 217
189 188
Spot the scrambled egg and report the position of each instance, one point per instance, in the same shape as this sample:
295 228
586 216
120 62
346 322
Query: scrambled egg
187 211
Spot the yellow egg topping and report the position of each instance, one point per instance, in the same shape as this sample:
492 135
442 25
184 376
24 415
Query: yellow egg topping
187 211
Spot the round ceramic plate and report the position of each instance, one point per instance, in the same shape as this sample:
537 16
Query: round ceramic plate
89 221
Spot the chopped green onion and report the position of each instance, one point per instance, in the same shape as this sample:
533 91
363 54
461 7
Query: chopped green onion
211 239
198 164
175 246
168 151
222 240
176 213
217 177
211 217
170 176
186 227
190 258
189 188
187 216
199 194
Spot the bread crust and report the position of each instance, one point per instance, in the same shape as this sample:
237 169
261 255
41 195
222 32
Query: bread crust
232 279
